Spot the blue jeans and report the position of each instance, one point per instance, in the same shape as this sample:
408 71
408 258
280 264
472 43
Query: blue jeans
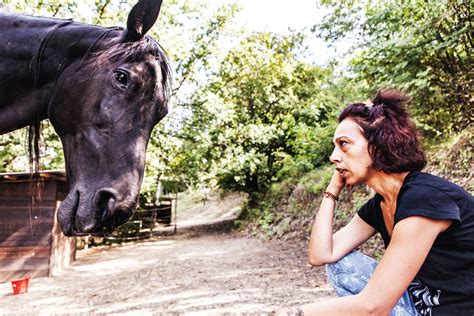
350 274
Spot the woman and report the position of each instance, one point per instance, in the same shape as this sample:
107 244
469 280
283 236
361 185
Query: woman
427 223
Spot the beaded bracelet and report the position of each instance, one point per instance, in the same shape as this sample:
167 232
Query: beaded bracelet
331 196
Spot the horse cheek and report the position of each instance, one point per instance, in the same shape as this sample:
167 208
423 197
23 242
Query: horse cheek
63 110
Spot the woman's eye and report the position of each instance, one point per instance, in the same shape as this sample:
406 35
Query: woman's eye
121 77
342 143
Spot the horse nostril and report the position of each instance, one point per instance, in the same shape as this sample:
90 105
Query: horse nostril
106 204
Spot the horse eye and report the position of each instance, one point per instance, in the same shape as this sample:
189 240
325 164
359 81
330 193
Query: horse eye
121 77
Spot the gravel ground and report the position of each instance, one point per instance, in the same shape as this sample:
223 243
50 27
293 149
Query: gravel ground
192 273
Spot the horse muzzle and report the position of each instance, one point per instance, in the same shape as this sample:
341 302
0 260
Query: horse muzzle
80 214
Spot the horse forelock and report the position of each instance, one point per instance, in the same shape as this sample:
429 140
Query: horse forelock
136 52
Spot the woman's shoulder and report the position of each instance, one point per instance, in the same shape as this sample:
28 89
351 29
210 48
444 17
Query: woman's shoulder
434 196
426 195
426 182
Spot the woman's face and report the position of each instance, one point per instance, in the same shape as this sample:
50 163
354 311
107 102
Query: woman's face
351 154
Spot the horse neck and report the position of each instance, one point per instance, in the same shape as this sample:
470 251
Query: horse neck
33 53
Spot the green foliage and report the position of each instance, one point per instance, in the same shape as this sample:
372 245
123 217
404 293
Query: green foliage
11 151
317 180
453 159
312 147
14 150
54 8
263 220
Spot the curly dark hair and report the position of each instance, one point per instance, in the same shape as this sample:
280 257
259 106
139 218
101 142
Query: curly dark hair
394 143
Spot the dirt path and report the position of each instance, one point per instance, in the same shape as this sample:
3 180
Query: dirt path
189 273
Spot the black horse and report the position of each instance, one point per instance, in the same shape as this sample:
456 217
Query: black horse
103 89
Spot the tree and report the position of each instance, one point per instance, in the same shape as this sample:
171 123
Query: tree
255 113
422 47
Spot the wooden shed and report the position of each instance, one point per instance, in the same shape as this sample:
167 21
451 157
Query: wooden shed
31 241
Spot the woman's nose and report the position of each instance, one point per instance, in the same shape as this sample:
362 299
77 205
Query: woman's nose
335 157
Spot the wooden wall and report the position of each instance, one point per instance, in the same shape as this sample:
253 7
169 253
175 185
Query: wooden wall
31 241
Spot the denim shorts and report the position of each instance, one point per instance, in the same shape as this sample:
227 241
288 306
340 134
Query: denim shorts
350 274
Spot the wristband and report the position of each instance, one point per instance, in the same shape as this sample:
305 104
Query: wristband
331 196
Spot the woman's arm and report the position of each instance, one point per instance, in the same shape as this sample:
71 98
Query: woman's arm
324 247
409 246
397 269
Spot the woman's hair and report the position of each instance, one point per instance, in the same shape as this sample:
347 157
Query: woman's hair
394 144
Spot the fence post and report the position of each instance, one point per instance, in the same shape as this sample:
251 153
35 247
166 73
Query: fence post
176 213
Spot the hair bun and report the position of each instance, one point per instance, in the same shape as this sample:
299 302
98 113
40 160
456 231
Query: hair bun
390 103
390 98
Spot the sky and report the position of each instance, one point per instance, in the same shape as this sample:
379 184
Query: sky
280 15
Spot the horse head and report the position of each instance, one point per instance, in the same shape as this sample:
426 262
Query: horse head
104 110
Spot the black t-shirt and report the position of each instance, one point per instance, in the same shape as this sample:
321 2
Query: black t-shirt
445 283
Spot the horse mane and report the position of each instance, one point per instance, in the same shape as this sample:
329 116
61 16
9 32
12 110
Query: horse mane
135 52
34 130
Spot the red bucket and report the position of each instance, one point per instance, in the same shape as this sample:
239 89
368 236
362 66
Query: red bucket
21 285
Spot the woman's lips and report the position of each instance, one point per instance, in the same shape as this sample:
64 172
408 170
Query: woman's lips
342 172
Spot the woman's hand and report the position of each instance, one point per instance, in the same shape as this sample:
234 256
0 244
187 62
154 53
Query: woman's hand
337 183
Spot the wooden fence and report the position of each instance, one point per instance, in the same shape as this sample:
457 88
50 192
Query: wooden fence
145 221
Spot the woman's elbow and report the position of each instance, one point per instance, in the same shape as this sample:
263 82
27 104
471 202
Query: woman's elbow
371 306
317 261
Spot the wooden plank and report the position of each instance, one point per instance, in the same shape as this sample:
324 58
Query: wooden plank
20 253
28 230
156 209
7 276
22 200
21 238
25 206
26 249
41 223
25 190
25 214
144 214
59 175
22 242
163 208
24 264
25 201
25 234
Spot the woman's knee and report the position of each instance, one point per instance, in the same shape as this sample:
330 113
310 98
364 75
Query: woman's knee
347 264
350 274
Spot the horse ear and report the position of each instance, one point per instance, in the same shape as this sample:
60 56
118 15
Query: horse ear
141 19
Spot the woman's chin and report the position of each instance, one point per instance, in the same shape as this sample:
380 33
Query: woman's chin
353 182
348 180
